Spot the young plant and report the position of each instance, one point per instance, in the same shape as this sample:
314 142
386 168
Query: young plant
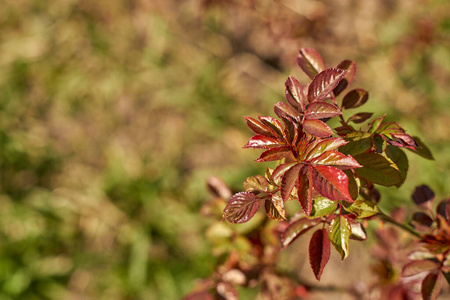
333 173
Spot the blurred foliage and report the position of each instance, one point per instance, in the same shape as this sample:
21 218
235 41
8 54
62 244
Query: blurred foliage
114 113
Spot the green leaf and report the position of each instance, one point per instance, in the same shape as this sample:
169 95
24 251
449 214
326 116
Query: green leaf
323 84
317 128
322 207
423 150
241 207
378 169
310 62
361 208
255 183
353 187
379 143
375 124
275 208
319 252
399 158
322 110
358 142
354 99
296 229
339 234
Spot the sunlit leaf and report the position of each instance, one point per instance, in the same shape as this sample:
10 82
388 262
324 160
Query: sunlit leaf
423 196
275 208
317 128
282 110
389 128
296 229
431 286
305 188
354 99
373 127
273 124
241 207
358 142
323 84
335 159
288 181
281 169
362 208
378 169
360 117
264 142
319 252
310 62
294 94
322 110
259 128
339 234
322 207
350 67
358 232
274 154
323 145
255 183
331 183
399 158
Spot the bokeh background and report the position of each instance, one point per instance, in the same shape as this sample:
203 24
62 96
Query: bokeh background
114 113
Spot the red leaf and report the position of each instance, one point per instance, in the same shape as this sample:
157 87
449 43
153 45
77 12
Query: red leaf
354 99
273 124
241 207
310 61
317 128
258 128
418 266
324 145
288 181
305 188
264 142
431 286
274 154
323 84
294 94
281 169
336 159
319 252
282 110
350 67
322 110
296 229
331 183
360 117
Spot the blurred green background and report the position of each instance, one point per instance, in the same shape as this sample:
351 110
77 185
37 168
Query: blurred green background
114 113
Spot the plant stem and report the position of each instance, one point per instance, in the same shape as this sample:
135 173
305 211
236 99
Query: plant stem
400 225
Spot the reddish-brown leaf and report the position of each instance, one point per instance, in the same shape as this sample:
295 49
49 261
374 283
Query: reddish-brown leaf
331 183
336 159
274 154
275 208
227 291
418 266
258 128
310 62
288 181
305 188
323 84
324 145
360 117
274 125
281 169
282 110
294 94
264 142
319 252
296 229
322 110
423 196
431 286
421 221
241 207
350 67
354 99
317 128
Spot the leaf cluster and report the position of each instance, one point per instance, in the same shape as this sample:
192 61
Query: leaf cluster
331 172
